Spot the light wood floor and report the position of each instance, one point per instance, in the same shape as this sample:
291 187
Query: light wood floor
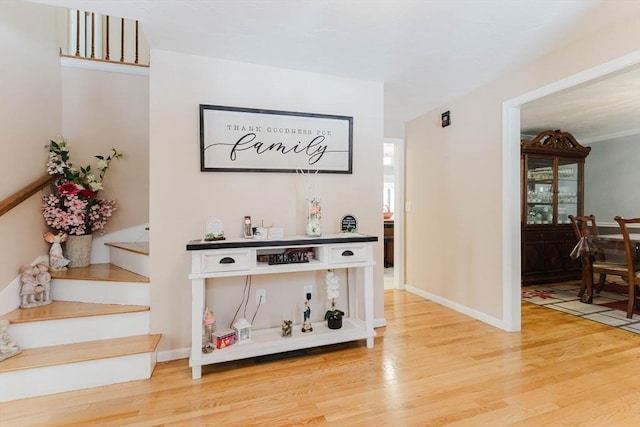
430 367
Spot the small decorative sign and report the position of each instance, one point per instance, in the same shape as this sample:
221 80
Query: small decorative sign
249 140
215 230
349 224
446 119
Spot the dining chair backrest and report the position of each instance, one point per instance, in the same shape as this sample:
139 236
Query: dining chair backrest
633 264
584 225
632 276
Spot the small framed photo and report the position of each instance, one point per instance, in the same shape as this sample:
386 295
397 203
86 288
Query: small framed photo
349 224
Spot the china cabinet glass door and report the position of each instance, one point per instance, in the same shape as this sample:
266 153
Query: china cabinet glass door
540 190
567 190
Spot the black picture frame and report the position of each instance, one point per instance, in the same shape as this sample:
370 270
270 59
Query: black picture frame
235 139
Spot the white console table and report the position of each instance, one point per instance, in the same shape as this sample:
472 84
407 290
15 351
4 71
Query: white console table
239 257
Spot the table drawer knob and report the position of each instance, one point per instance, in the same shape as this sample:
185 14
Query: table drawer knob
227 260
347 253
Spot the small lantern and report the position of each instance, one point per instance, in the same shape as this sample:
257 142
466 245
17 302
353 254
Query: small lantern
243 330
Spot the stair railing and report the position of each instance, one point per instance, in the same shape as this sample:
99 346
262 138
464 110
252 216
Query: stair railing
92 36
21 195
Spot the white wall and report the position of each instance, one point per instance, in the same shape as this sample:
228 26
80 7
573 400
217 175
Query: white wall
30 115
104 110
612 179
454 240
182 198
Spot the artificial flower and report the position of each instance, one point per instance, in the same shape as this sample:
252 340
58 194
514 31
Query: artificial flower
73 206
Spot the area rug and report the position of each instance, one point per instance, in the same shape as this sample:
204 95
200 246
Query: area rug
620 305
609 307
537 293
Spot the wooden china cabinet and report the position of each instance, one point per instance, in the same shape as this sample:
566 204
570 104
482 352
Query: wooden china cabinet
552 182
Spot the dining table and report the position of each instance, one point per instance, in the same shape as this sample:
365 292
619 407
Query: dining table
586 248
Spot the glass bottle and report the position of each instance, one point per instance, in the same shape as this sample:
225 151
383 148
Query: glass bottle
208 327
314 217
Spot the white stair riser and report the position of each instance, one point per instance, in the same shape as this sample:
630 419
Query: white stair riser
138 263
100 292
68 331
75 376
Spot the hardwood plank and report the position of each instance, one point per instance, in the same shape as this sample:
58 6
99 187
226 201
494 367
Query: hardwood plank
136 247
67 310
101 272
430 366
80 352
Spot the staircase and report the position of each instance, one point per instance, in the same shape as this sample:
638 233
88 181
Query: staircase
94 333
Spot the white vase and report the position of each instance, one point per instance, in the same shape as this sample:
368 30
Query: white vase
78 250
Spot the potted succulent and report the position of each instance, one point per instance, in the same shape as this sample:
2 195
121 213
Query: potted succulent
333 316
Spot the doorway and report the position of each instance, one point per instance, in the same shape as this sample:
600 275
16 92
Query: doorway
393 208
511 255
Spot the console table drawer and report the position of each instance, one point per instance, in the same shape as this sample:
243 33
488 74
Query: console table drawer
229 260
351 253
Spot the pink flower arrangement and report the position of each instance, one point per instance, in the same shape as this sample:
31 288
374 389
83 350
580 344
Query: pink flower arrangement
73 206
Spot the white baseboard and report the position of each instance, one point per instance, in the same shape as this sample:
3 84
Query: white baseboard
498 323
168 355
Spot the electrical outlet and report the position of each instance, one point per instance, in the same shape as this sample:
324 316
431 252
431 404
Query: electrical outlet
261 296
308 290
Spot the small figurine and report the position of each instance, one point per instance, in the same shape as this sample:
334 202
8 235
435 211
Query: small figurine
56 260
8 346
306 325
36 285
287 328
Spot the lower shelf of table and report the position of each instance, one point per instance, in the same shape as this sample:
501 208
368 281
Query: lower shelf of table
270 341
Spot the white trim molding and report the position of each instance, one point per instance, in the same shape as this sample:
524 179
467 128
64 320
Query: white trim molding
511 252
99 65
616 135
482 317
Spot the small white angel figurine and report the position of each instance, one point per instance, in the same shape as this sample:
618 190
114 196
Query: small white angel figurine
57 261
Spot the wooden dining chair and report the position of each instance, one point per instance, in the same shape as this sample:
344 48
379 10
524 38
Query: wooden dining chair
586 226
633 264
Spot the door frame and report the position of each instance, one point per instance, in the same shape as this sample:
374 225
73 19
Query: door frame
398 210
511 253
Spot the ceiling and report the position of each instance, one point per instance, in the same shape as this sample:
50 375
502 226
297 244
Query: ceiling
426 52
600 110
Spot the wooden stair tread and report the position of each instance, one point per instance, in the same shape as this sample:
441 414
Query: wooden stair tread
136 247
67 310
80 352
100 272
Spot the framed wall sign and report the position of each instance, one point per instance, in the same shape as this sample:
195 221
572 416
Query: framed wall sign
250 140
